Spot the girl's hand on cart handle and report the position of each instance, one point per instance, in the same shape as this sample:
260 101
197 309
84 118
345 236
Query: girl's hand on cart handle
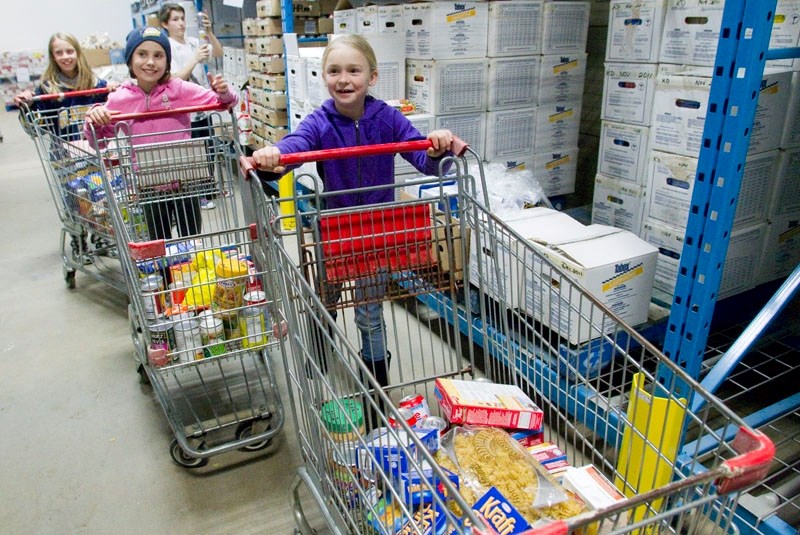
100 115
112 86
217 83
25 96
269 159
441 142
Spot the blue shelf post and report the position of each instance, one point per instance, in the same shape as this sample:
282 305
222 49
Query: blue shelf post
736 83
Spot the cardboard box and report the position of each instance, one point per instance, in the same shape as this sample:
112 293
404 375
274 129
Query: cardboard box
671 183
345 21
509 134
562 78
442 30
271 45
296 77
380 19
444 87
479 403
272 82
565 27
367 19
786 187
619 203
597 492
555 171
391 66
273 26
297 112
785 31
791 128
268 8
97 57
691 32
515 28
424 123
390 449
623 152
325 25
557 126
634 30
471 127
781 249
628 92
266 64
316 90
513 82
249 27
306 8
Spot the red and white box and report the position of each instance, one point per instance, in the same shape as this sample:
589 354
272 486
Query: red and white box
479 403
550 456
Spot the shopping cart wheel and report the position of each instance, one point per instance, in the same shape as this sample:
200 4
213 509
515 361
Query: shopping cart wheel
180 457
69 278
143 379
245 430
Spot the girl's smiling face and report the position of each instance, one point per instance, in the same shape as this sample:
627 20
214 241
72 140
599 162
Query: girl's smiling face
348 77
65 56
148 64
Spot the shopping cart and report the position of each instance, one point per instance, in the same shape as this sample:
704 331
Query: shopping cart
200 303
73 176
462 299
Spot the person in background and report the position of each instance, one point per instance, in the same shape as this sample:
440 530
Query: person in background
189 56
349 118
147 54
67 70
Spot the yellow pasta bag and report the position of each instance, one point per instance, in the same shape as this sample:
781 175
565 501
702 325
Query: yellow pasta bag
201 292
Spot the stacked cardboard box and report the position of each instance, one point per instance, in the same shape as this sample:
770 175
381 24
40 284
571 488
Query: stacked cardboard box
18 72
657 83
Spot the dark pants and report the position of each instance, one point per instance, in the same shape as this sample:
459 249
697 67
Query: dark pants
186 213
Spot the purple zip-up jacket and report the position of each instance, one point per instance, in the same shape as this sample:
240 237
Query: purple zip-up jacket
325 128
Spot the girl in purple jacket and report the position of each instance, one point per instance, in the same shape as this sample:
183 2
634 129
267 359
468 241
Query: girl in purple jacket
351 118
147 53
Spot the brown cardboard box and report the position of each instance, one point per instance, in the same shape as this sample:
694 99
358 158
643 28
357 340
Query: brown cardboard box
273 82
250 27
270 27
325 25
268 8
271 45
97 57
306 8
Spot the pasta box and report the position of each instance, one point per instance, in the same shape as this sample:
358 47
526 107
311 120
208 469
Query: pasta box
390 447
479 403
418 486
500 514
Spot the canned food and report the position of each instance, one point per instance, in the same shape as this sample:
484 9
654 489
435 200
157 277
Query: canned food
188 342
407 415
161 336
152 299
434 422
417 404
212 335
253 327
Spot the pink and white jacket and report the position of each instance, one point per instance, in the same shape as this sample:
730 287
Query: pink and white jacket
176 93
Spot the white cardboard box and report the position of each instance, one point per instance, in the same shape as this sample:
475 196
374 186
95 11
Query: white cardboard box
786 188
565 27
513 82
555 171
345 21
619 203
628 92
791 128
296 77
515 28
390 19
316 90
634 30
471 127
509 134
781 251
623 152
671 183
741 260
424 122
443 87
557 126
785 31
691 32
443 30
562 78
367 19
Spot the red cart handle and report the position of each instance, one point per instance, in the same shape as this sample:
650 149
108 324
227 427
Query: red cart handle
145 115
459 148
65 94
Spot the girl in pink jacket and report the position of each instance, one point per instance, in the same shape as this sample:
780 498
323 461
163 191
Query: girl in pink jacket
148 55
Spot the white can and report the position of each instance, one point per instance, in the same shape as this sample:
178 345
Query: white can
188 341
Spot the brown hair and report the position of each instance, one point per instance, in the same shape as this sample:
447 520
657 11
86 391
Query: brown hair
50 80
353 41
166 11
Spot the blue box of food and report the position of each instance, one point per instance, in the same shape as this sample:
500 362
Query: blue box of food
416 485
499 514
390 449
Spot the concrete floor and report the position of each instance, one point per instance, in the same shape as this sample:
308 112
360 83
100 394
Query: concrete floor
84 445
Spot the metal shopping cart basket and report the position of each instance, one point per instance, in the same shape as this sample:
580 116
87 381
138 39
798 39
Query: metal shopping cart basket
73 176
457 307
200 303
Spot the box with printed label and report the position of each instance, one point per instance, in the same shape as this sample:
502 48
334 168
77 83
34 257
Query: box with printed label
296 77
786 188
510 133
446 30
628 92
500 513
391 84
367 19
791 128
316 90
268 8
515 28
424 122
479 403
561 78
344 21
390 20
596 491
557 126
785 31
447 86
623 152
781 249
513 82
273 82
691 32
555 171
619 203
325 25
266 64
471 127
269 26
565 27
390 449
671 183
634 30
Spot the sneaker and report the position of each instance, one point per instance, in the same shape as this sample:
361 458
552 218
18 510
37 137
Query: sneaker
205 204
226 194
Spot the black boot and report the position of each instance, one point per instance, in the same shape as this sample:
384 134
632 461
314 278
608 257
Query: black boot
379 370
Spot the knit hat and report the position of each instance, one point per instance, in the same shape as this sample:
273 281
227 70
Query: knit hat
140 35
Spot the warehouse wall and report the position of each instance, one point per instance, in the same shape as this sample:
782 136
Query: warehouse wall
28 25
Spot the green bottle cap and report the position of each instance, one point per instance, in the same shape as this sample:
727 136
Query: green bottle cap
337 415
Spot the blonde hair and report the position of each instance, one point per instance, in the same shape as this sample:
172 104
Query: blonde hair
353 41
50 80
